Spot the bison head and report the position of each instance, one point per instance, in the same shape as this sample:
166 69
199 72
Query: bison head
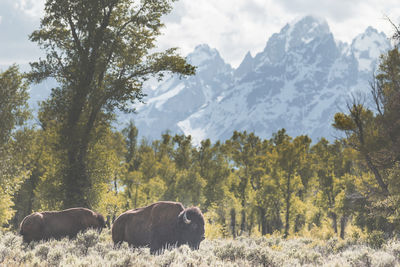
191 227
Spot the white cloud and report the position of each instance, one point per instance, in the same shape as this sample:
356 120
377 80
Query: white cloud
232 26
16 24
237 26
33 8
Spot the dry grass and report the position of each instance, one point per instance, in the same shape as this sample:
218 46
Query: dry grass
92 249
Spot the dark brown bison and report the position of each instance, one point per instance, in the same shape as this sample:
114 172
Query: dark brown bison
160 225
59 224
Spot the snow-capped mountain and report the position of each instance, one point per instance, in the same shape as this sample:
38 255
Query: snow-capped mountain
298 82
177 99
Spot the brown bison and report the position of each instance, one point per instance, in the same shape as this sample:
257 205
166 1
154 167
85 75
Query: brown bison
160 225
59 224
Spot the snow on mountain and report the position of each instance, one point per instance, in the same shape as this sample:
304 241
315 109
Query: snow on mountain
367 48
176 99
298 82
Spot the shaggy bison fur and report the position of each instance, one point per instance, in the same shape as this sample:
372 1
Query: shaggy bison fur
160 225
59 224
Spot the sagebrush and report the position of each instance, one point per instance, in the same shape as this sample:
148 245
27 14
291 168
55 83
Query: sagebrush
93 249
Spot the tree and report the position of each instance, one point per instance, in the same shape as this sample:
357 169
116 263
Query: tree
290 155
99 53
25 200
331 166
13 113
214 169
131 135
132 160
365 136
376 137
386 93
242 149
13 102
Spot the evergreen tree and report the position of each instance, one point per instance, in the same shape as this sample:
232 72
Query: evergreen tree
376 137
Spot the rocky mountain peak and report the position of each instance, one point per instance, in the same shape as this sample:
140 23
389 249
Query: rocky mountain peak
298 82
367 47
209 63
203 54
245 67
300 34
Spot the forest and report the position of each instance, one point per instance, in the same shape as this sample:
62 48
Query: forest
69 154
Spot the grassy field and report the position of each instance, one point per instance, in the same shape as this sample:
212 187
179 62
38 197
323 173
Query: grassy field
92 249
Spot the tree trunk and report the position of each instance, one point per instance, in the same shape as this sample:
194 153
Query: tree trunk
287 202
343 223
33 181
243 223
77 183
30 184
268 227
298 223
263 221
77 180
334 222
364 151
233 222
277 223
129 199
250 224
377 175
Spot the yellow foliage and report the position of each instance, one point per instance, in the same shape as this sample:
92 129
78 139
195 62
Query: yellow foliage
110 203
324 232
343 122
6 212
213 229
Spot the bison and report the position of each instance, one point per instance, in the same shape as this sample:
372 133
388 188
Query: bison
160 225
59 224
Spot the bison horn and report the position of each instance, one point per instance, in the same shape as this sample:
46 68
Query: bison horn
185 219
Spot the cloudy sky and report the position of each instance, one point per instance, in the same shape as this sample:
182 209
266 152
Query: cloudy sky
232 26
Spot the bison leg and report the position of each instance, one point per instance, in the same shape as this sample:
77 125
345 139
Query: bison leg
157 244
155 247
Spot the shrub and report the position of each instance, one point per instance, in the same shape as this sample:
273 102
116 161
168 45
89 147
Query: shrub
383 259
230 251
42 251
87 239
376 239
54 257
92 249
261 256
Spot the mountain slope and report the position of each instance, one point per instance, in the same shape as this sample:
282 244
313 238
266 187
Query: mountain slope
298 82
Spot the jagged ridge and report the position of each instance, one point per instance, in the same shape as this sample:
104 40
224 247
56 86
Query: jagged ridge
301 78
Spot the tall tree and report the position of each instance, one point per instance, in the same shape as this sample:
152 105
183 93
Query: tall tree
330 166
364 135
243 149
214 169
386 93
13 102
290 155
99 51
376 137
13 113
